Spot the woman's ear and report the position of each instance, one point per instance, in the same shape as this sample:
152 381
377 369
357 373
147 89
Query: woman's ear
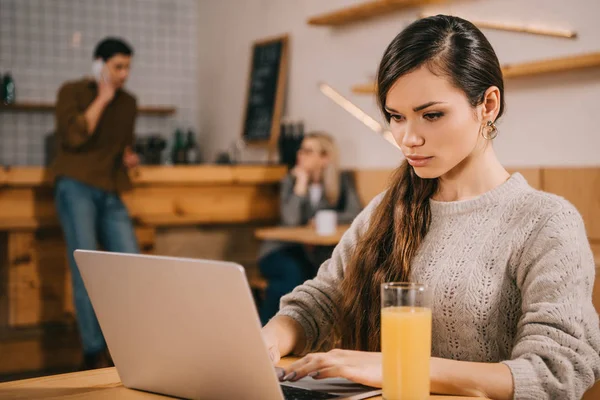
491 104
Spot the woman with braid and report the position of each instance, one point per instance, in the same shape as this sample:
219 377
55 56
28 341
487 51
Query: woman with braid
510 268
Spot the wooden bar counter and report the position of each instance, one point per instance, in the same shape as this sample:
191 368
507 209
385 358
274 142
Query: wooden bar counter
35 287
162 196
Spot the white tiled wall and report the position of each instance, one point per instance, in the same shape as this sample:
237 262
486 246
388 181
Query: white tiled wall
37 47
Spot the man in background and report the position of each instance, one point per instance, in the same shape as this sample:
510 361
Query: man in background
95 121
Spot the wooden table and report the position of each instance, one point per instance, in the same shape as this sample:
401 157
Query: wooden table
96 384
300 234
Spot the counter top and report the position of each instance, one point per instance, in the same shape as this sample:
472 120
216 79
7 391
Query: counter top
161 174
161 195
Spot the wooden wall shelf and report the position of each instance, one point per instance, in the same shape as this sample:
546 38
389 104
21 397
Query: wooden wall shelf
33 106
365 11
516 27
533 68
552 65
364 88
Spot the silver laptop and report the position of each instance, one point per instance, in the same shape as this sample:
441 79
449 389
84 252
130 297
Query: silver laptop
189 328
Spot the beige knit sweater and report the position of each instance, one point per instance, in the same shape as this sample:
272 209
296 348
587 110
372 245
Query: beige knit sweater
511 273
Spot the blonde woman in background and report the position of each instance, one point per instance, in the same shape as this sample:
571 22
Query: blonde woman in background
315 183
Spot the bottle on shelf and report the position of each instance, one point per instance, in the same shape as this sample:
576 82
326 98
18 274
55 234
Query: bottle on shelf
192 153
236 151
282 141
8 89
296 137
178 149
290 147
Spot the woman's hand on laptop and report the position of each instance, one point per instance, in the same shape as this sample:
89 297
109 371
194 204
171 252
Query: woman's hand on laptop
358 366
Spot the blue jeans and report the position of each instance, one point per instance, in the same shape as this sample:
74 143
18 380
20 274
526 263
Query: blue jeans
91 216
284 269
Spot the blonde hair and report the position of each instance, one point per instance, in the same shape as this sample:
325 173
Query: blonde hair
331 173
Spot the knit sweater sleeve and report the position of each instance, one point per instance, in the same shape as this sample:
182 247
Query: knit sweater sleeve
314 304
557 346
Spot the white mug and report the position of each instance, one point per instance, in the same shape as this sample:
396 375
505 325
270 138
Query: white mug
326 222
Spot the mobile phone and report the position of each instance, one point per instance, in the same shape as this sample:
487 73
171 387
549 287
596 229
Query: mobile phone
98 70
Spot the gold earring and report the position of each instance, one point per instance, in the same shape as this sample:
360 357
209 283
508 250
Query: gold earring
489 131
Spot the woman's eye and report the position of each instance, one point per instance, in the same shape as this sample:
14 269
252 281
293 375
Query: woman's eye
397 118
433 116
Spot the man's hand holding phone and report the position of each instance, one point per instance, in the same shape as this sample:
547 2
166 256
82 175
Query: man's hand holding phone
106 90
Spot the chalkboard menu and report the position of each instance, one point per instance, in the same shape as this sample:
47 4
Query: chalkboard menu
266 89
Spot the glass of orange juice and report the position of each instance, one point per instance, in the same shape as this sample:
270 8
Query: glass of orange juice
405 340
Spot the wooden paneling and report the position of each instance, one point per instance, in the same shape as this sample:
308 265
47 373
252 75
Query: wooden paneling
159 206
22 278
26 206
4 302
38 279
581 186
370 182
38 349
596 250
532 175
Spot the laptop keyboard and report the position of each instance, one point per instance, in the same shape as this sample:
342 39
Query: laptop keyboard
292 393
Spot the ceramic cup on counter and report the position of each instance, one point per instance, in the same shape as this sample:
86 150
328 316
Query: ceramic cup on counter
326 222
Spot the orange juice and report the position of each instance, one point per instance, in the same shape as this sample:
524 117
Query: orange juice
406 348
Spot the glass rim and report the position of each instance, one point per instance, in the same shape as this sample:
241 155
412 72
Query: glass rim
403 285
